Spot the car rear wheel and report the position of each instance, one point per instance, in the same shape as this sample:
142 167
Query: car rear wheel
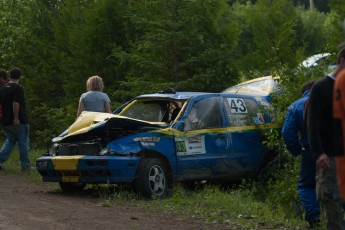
152 180
71 186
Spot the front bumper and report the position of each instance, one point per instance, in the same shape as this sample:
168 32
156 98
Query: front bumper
88 169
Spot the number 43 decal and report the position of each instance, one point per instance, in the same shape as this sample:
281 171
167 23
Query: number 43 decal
237 105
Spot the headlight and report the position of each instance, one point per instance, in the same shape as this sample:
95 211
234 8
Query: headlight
53 150
41 164
105 152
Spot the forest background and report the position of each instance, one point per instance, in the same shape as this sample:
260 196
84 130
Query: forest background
144 46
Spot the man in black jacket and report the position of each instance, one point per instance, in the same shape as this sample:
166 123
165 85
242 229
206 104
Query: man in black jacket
14 120
321 140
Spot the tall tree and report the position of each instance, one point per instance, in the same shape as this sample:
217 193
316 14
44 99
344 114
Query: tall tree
182 44
14 31
100 28
335 22
272 24
312 31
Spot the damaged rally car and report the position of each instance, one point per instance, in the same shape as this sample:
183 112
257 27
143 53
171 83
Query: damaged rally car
158 139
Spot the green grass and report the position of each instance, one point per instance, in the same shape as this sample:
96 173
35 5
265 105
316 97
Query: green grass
12 165
251 205
237 208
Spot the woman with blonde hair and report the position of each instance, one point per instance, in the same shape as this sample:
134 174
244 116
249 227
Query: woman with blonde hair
94 99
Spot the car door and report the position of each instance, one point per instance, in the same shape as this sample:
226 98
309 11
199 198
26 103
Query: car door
244 117
202 144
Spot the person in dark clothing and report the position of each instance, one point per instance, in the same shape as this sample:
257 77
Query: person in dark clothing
14 120
321 140
296 141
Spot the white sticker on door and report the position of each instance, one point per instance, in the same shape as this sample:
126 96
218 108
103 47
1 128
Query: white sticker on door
193 145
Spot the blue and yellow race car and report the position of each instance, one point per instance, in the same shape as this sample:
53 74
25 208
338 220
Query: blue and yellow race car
158 139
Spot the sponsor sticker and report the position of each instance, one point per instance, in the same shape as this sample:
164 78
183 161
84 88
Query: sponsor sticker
192 145
259 119
147 141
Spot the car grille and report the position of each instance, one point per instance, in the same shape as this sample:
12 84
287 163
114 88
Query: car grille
86 148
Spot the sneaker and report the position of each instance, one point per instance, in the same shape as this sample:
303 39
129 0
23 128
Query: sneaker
313 223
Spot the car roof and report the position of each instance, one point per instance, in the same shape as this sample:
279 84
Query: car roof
188 95
184 96
175 96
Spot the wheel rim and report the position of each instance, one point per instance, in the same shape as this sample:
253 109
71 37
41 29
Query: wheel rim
157 180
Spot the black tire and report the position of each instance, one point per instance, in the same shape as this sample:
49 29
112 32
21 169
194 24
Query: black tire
72 186
152 178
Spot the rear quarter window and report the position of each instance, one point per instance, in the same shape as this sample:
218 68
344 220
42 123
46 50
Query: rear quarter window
243 112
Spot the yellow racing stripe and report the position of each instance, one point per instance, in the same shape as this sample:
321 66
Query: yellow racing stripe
66 163
171 131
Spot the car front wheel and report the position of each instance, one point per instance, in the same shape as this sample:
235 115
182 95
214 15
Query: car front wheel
152 180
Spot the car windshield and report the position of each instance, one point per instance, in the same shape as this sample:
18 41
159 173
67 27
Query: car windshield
153 110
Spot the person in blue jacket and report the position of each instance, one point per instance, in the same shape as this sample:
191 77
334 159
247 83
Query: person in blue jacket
295 138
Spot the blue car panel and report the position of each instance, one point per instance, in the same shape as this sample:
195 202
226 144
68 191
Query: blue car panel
155 140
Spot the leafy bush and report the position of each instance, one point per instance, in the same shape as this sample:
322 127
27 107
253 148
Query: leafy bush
48 123
278 185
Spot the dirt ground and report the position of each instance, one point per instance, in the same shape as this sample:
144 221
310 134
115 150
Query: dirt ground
27 205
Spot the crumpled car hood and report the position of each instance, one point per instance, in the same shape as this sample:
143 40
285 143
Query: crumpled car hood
95 123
